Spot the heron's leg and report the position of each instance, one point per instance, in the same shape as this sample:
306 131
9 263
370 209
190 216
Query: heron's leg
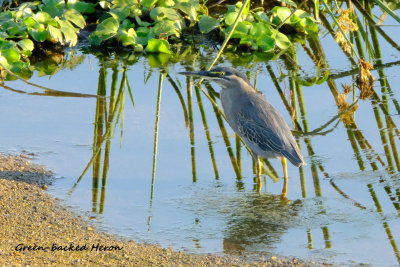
259 173
285 181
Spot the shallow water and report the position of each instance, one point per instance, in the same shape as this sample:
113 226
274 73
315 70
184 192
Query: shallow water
346 211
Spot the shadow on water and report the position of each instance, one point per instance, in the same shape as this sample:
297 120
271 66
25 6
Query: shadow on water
354 135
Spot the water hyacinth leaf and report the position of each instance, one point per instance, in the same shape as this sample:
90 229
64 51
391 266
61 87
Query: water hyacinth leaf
56 34
29 21
120 13
6 44
69 32
207 24
266 43
3 35
81 7
189 7
17 31
147 4
10 55
281 40
107 27
158 46
311 26
54 7
128 37
160 13
260 29
166 28
39 35
280 14
288 2
144 35
261 16
6 16
43 17
248 41
142 23
302 14
242 29
230 18
26 46
75 17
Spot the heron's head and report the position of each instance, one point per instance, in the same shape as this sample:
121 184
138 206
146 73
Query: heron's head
227 77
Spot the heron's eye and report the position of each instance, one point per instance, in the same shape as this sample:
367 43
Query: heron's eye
222 74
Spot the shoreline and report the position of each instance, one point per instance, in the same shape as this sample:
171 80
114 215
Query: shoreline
36 230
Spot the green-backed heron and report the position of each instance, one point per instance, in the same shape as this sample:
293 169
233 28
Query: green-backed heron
254 119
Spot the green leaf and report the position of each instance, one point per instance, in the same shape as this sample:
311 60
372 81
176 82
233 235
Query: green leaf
144 35
160 13
54 7
260 29
242 29
142 23
288 2
11 55
189 7
121 13
166 28
280 14
29 21
127 37
230 18
43 17
69 32
248 41
147 4
75 17
158 46
108 27
39 35
26 45
56 34
81 7
207 24
261 16
266 43
282 41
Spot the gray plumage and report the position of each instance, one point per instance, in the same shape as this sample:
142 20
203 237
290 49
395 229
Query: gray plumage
252 117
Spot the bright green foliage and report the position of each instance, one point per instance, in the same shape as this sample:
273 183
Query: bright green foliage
148 25
158 46
11 54
168 20
257 30
300 20
207 24
50 20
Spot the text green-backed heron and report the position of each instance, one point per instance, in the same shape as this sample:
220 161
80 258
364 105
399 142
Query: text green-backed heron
254 119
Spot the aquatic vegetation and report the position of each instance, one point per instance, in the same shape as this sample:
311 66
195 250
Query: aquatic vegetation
137 25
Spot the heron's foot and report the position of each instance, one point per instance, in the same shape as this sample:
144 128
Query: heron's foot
284 189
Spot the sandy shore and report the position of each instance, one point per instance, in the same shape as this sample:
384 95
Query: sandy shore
35 230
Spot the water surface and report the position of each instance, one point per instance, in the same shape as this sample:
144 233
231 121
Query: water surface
343 207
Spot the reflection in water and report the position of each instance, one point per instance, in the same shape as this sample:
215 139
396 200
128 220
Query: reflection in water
258 220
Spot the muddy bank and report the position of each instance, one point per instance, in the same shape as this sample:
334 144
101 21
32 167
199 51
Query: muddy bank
36 230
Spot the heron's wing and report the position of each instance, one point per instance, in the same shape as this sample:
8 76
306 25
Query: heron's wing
260 123
253 128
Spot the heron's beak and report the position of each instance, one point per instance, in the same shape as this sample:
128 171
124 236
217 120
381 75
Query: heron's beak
202 74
